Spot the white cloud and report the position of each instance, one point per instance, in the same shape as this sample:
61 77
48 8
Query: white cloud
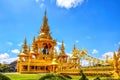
16 51
5 59
69 3
69 54
84 63
94 51
77 41
4 56
8 60
59 43
39 1
36 1
9 43
57 49
42 5
110 55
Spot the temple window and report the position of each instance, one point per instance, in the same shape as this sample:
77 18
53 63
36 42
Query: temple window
43 58
31 67
25 67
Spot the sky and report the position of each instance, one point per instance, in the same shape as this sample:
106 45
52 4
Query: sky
93 25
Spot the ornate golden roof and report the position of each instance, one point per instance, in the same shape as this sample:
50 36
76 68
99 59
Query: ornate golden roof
18 59
22 54
25 44
45 30
75 52
32 52
25 47
62 51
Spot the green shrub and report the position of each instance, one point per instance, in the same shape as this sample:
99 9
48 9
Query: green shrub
54 76
83 76
3 77
97 78
67 76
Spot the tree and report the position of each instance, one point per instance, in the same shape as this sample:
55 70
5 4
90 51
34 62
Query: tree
6 68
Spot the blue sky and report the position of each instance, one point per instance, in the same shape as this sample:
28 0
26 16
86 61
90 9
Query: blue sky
90 24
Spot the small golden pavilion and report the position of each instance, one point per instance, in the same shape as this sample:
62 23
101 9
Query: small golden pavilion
42 56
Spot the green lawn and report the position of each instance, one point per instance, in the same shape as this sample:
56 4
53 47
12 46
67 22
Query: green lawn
24 76
17 76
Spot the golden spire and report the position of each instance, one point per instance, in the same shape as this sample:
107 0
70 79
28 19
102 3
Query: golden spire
114 55
75 52
33 41
45 30
25 46
62 47
74 47
33 44
62 52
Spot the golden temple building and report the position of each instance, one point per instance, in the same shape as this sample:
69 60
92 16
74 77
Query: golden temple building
43 57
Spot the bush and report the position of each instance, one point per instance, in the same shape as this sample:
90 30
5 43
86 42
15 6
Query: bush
54 76
97 78
67 76
3 77
83 76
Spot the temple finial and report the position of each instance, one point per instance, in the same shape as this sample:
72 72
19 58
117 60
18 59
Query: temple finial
45 27
75 51
74 46
25 46
62 47
25 43
34 39
45 12
62 50
33 42
45 19
45 30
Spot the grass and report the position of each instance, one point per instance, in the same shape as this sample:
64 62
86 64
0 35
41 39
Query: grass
24 76
17 76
